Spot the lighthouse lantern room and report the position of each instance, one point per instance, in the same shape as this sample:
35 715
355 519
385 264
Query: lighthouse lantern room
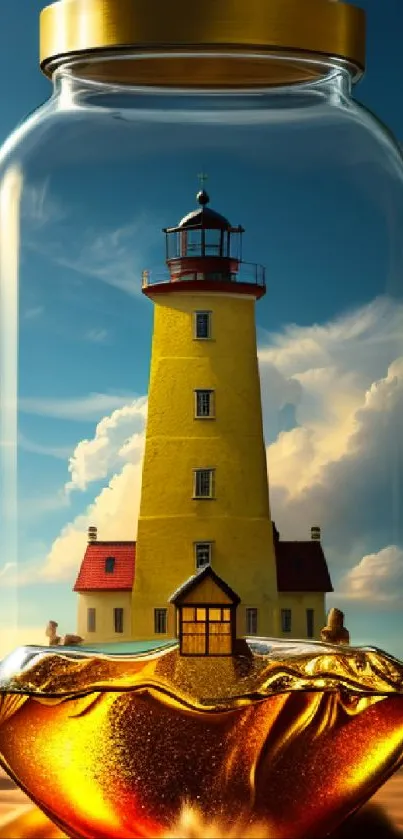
205 246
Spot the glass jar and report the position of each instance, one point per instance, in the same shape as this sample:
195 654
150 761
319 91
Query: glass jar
110 268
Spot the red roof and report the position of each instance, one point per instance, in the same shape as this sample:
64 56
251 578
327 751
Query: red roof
93 575
301 566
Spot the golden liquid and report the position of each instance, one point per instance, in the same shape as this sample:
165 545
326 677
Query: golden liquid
266 745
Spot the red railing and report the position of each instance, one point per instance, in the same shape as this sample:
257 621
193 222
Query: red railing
249 273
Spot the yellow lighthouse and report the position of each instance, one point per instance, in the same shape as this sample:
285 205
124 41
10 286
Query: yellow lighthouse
205 499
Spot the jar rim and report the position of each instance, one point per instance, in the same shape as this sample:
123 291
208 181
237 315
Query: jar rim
219 72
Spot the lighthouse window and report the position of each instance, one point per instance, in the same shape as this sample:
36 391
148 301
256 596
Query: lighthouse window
251 621
286 620
160 621
204 403
202 554
203 483
203 325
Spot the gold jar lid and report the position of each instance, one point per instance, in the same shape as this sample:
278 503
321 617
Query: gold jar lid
217 30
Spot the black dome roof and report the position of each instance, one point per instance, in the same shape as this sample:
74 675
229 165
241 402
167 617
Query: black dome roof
205 216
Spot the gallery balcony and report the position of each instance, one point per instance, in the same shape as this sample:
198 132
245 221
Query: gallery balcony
184 275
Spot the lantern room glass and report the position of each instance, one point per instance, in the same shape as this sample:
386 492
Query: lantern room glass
198 240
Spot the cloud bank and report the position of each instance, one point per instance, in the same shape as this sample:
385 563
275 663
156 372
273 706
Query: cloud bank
377 579
118 439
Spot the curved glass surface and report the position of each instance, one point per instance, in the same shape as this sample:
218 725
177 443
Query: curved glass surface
201 386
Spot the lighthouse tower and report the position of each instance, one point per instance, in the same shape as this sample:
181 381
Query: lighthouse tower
204 498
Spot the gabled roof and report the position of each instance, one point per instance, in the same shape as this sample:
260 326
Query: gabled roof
92 575
180 594
301 566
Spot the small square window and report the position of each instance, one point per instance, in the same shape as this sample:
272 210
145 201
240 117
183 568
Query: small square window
310 623
160 621
91 620
286 620
202 325
118 619
251 621
204 404
202 554
203 483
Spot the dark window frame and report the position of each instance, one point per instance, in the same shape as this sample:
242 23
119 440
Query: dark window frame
200 394
202 313
110 563
118 619
197 495
162 614
286 620
251 617
202 544
91 619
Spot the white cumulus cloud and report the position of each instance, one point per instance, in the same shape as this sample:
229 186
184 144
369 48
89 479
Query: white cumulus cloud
347 477
118 439
377 579
114 511
357 342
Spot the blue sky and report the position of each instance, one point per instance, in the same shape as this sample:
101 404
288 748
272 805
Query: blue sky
329 328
